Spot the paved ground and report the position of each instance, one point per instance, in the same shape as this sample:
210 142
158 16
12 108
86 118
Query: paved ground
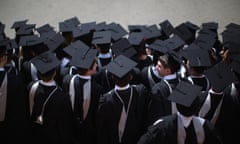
124 12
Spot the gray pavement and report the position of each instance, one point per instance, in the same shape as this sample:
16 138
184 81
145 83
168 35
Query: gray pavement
124 12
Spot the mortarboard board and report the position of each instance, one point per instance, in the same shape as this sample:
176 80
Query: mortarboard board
77 47
102 37
65 27
18 24
152 32
220 76
120 66
28 40
197 57
74 21
54 42
136 38
84 59
90 26
174 42
210 26
117 31
185 93
192 27
45 62
27 29
44 28
48 35
136 28
233 25
159 46
183 31
101 26
123 47
167 28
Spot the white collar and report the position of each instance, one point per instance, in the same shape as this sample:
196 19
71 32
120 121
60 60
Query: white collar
85 77
51 83
121 88
213 92
2 69
170 77
200 76
185 120
105 55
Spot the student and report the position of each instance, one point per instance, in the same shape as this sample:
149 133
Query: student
50 108
14 116
182 127
122 112
84 93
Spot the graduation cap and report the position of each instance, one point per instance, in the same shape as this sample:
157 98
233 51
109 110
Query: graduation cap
220 76
136 28
193 27
185 93
18 24
136 39
174 43
85 59
31 40
101 26
45 62
44 29
159 46
75 48
74 21
167 28
210 25
102 37
27 29
183 31
65 27
120 66
197 57
123 47
54 42
90 26
233 26
151 33
117 31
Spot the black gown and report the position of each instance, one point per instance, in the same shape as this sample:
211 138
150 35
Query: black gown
165 132
109 113
15 126
58 120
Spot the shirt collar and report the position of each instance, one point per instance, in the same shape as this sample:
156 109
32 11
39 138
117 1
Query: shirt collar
185 120
121 88
51 83
170 77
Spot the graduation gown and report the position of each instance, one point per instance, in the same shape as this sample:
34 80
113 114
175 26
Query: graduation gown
227 122
159 105
165 132
58 122
109 113
147 81
15 125
86 128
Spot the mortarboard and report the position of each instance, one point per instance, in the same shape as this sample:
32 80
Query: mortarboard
183 31
74 21
167 28
233 26
174 42
45 62
152 32
102 37
44 29
210 25
29 40
197 57
18 24
65 27
54 42
84 59
136 28
185 93
120 66
117 31
171 59
136 38
27 29
220 76
101 26
192 27
77 47
159 46
123 47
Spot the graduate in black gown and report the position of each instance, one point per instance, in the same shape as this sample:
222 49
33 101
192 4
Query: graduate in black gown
14 116
182 127
220 107
52 120
84 93
168 66
122 113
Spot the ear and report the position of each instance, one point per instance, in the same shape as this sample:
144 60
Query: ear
168 71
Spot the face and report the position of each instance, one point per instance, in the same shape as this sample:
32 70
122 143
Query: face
94 68
162 70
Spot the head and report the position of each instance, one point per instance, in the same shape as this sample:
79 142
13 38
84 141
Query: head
88 72
124 80
48 76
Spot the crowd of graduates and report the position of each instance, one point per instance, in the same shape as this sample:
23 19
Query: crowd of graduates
98 83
